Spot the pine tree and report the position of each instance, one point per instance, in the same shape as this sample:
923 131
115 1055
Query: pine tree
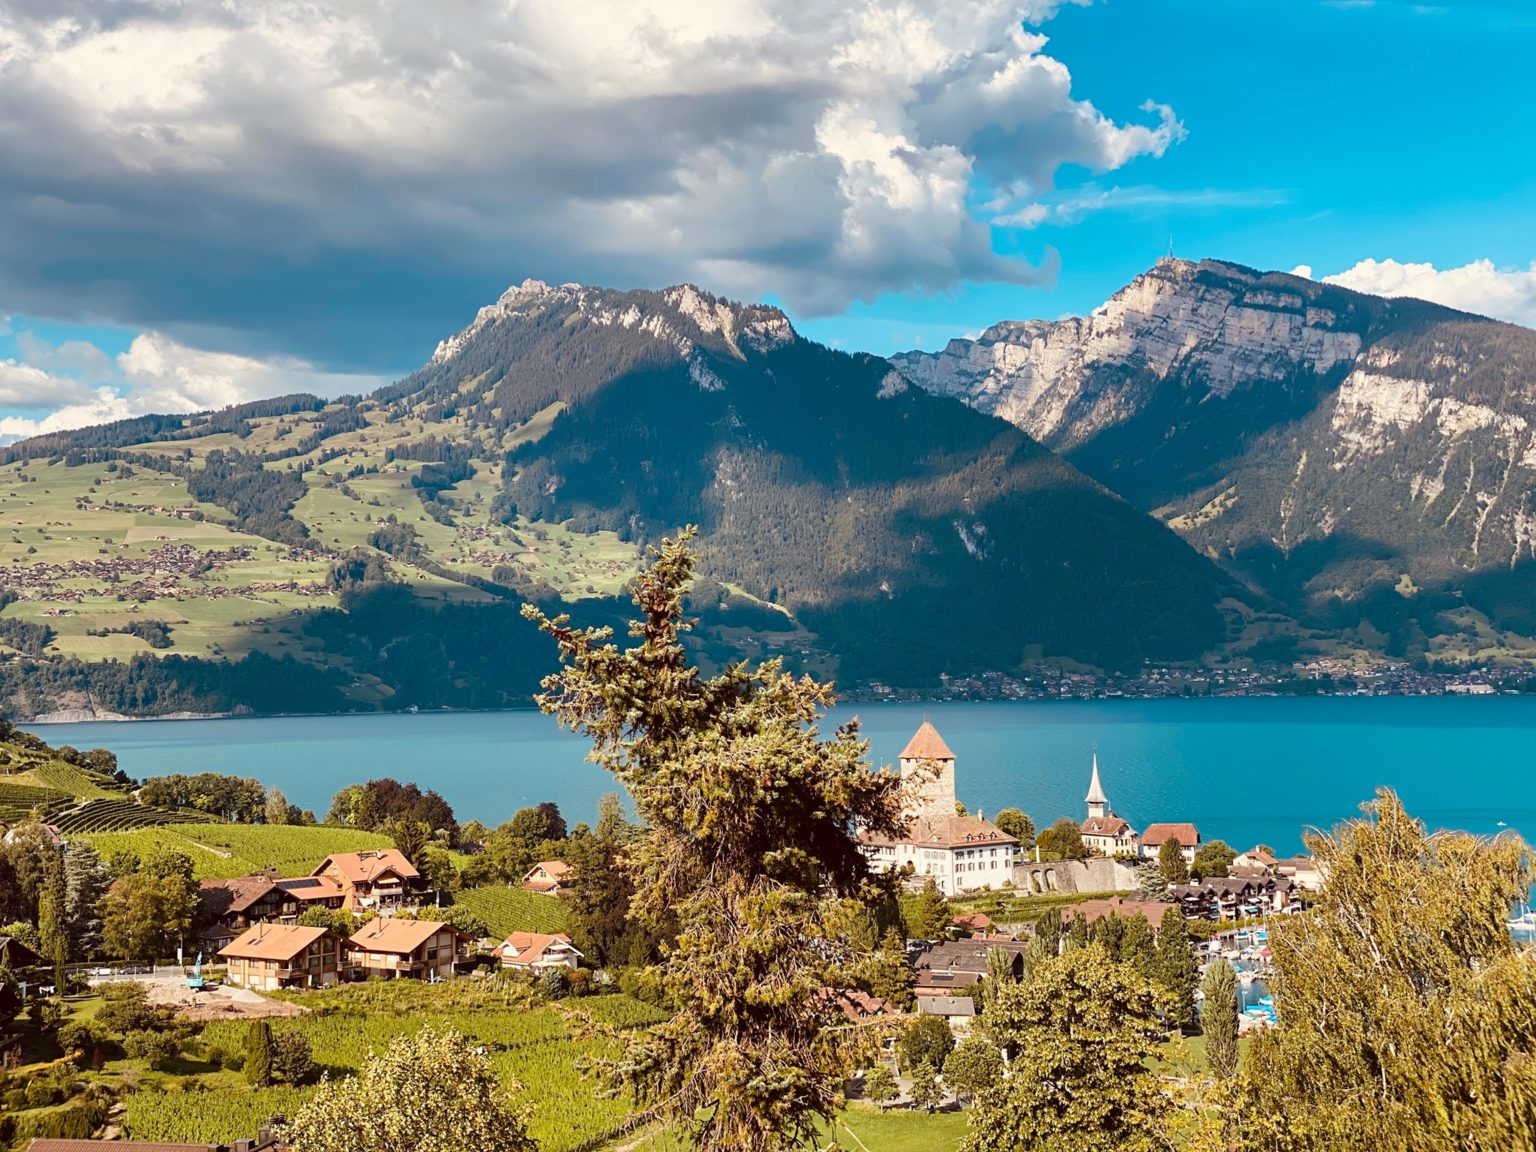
748 847
1218 1017
1176 968
928 915
891 976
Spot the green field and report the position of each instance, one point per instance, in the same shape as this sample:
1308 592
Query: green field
506 910
220 851
858 1129
539 1046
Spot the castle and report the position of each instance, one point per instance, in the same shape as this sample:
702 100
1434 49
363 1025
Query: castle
960 853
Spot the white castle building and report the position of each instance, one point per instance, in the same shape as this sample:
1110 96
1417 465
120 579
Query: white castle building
960 853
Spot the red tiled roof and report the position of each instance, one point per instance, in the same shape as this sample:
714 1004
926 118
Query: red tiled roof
530 946
1092 910
1186 834
313 888
975 922
395 935
362 867
1105 826
947 832
927 744
556 868
272 942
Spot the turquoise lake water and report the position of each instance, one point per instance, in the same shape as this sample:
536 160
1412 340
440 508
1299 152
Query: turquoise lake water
1244 770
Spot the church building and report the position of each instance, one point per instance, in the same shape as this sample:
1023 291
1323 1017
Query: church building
961 853
1103 831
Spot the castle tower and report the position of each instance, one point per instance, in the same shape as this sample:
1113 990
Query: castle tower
1098 803
925 752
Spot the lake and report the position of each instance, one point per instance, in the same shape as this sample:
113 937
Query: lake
1244 770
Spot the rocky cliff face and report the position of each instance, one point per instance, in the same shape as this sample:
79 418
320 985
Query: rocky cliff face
1320 443
1215 327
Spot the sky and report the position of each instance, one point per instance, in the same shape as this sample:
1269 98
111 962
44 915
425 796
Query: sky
208 201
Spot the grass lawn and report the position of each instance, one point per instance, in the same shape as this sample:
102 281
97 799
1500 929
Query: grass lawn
859 1128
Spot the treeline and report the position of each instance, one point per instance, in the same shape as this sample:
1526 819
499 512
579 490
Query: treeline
238 800
153 686
261 499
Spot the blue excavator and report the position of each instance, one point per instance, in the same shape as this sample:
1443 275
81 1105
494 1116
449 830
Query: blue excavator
196 981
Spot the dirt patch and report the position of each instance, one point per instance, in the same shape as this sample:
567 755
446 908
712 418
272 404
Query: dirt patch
223 1002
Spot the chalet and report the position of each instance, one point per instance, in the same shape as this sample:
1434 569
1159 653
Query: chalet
959 853
1232 897
1255 858
548 877
232 906
272 956
1104 833
15 955
405 949
957 966
536 952
306 892
373 880
1153 838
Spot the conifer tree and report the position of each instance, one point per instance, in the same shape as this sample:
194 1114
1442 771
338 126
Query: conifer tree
85 883
748 846
51 928
258 1054
1218 1017
1176 968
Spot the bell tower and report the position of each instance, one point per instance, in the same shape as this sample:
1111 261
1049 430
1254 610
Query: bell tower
927 758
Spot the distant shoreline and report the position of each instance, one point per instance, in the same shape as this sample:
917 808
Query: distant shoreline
65 718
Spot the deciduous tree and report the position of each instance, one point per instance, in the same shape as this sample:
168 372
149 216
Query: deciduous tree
1171 863
1083 1027
1213 859
973 1066
1407 1015
431 1092
1063 840
1015 823
927 1040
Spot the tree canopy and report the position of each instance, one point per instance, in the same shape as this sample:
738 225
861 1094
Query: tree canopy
749 816
1407 1016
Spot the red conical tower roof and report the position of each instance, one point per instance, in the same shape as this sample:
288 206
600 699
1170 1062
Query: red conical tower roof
927 744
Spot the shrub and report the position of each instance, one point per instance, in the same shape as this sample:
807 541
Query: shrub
292 1059
157 1048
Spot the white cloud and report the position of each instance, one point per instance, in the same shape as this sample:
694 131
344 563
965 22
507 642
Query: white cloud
155 374
1068 207
308 172
1479 287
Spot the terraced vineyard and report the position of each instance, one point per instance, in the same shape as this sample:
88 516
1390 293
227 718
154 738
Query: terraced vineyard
117 816
19 801
507 910
541 1047
220 851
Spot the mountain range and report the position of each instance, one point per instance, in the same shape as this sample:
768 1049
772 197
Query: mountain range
1217 465
1366 464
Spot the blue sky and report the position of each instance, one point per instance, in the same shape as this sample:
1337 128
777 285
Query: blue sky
207 202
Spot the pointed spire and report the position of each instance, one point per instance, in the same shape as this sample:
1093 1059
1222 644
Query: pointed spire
1095 789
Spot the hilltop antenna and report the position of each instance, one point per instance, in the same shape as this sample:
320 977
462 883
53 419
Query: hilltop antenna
1170 245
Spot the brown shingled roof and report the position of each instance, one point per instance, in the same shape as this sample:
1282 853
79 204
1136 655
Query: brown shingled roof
927 744
273 942
237 894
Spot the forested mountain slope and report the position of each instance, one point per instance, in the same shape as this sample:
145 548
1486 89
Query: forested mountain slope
1368 463
373 551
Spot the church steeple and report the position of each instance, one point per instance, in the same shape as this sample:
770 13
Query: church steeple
1098 803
